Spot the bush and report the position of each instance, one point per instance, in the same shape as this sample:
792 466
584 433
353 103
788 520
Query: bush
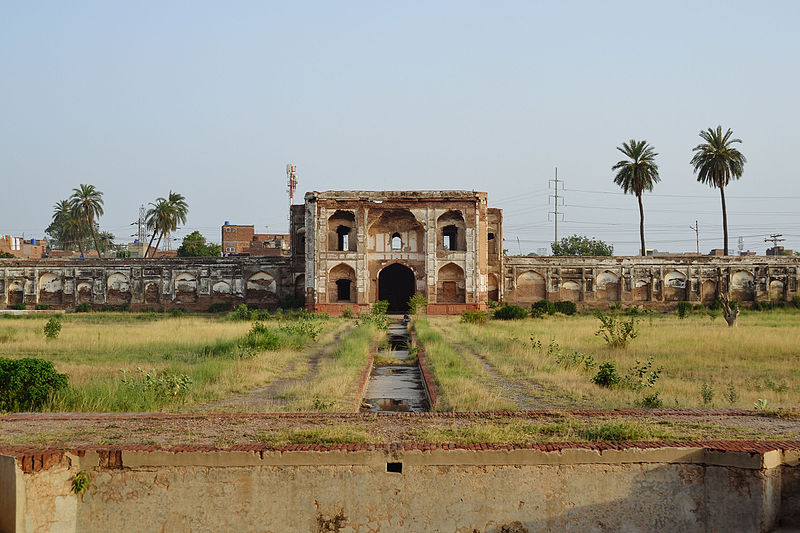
347 312
52 328
176 312
684 308
220 307
651 401
543 307
474 317
707 393
616 331
510 312
641 375
27 384
567 308
83 308
260 338
796 301
417 303
606 375
381 307
42 307
716 306
19 307
242 312
161 385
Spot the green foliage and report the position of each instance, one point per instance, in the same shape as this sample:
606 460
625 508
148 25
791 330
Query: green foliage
176 313
578 245
83 308
195 245
19 307
706 393
510 312
615 330
377 315
637 174
27 384
796 301
606 375
260 338
543 307
641 375
615 431
566 307
42 307
417 303
650 401
760 404
52 328
731 394
474 317
716 305
684 308
6 255
80 482
347 312
242 312
220 307
381 307
158 384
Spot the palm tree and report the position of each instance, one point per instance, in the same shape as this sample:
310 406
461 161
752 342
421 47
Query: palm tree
67 227
637 174
157 218
88 203
716 162
165 215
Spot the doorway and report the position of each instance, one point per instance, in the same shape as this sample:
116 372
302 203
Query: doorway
396 286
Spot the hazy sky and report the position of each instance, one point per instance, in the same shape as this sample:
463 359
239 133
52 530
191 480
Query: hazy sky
212 99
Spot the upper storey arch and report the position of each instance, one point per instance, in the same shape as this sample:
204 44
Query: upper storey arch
396 230
451 231
342 232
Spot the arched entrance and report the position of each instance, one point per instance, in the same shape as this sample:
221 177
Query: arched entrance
396 286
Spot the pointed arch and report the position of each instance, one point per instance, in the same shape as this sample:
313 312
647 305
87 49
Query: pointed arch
451 284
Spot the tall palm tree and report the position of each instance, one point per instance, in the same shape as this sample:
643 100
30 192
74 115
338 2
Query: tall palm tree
637 174
157 218
716 162
88 202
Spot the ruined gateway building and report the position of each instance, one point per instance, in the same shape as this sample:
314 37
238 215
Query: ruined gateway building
352 248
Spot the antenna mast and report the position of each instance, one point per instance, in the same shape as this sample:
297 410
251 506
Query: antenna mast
555 196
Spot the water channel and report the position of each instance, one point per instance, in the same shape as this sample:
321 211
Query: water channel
397 386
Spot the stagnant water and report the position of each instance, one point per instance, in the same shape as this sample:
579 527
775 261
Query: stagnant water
396 387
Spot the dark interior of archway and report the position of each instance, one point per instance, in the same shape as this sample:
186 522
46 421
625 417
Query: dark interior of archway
396 285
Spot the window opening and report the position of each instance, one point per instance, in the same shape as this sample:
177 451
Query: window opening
343 290
449 234
396 242
491 236
344 238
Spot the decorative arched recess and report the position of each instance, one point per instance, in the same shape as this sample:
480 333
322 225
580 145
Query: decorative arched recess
118 289
493 288
16 294
708 291
530 287
451 284
607 286
395 222
261 289
342 232
50 289
342 284
675 286
570 291
776 290
742 285
185 288
641 290
83 293
151 293
221 290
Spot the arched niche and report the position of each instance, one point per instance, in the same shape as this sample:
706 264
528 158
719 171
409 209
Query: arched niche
451 231
50 289
708 291
342 233
607 286
390 224
118 289
261 289
493 288
530 287
570 291
641 290
451 284
151 292
83 293
185 288
16 294
675 286
742 285
342 284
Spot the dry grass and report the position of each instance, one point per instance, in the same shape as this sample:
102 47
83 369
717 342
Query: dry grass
759 359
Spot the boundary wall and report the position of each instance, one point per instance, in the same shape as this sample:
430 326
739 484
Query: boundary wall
722 486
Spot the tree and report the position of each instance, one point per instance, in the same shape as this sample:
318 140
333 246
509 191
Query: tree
578 245
637 174
67 229
194 245
87 201
165 215
716 162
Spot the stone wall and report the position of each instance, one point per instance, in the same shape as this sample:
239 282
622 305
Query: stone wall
487 488
654 282
187 283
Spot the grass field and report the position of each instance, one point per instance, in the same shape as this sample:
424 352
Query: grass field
551 361
169 363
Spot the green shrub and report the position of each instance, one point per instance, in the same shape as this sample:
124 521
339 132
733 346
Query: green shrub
27 384
706 393
176 312
417 303
52 328
641 375
543 307
18 307
83 308
684 308
731 394
616 331
347 312
716 305
651 401
796 301
161 385
42 307
510 312
606 375
242 312
220 307
260 338
381 307
567 308
474 317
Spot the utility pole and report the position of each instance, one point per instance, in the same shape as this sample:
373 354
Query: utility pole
774 239
696 229
556 197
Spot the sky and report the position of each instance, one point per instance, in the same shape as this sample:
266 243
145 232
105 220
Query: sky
213 99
